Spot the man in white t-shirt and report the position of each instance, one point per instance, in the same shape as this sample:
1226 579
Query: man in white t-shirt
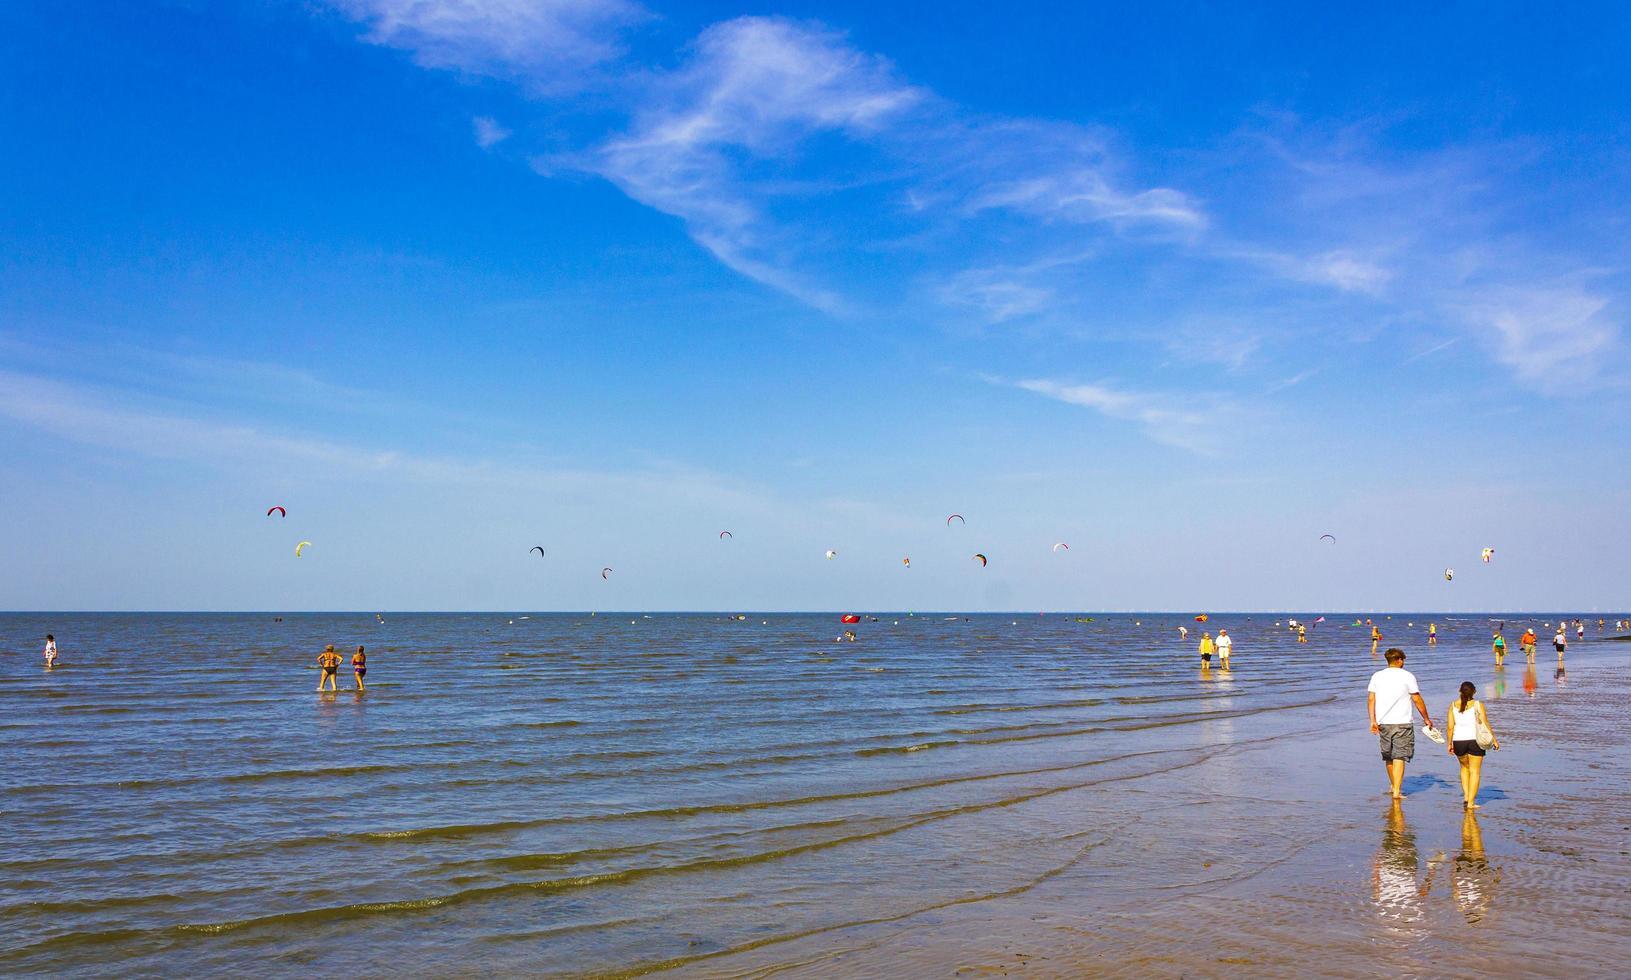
1392 692
1224 646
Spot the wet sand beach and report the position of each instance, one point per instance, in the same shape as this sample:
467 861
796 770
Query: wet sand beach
568 795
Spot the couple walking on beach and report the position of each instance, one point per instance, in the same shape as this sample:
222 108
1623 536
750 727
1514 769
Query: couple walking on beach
1392 693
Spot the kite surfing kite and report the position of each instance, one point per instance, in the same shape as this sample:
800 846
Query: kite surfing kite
1060 546
1487 554
538 548
849 618
981 559
302 546
1203 617
955 517
831 554
280 511
605 572
1331 536
725 534
1449 574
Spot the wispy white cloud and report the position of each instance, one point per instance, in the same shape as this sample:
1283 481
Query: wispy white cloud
118 422
488 132
753 90
546 43
1440 346
1060 172
1540 331
1291 382
1342 269
1159 415
757 91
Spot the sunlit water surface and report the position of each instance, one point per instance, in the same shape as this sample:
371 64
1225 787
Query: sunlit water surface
575 794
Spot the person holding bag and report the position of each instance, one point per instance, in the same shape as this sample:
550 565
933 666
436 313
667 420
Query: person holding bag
1469 736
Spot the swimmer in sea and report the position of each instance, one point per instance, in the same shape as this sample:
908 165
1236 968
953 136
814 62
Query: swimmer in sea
1302 633
1432 634
359 666
50 650
330 662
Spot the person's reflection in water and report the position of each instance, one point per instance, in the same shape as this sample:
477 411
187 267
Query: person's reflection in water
1561 677
1497 687
1529 682
1473 881
1395 889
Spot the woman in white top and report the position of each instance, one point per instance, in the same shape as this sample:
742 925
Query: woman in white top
50 650
1466 715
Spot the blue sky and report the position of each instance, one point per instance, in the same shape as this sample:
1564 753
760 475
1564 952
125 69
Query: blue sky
1182 285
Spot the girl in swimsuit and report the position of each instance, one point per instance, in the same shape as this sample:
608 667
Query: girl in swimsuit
330 662
359 666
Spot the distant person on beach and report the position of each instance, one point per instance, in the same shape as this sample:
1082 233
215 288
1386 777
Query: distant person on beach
1527 643
359 666
1466 718
1207 648
1183 632
1375 639
50 650
1560 642
1579 629
1500 649
1392 691
1225 645
1432 635
330 662
1302 633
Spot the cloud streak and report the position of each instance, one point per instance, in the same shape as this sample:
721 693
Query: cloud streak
1158 415
546 43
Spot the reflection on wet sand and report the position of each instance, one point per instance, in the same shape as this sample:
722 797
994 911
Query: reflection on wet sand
1473 881
1395 889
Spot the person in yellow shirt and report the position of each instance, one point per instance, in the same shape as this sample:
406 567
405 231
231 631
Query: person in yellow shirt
1432 634
1207 648
1302 633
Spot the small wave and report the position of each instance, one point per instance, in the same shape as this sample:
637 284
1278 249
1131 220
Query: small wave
903 749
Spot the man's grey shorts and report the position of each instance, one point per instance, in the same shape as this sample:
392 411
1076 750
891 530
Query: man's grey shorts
1398 742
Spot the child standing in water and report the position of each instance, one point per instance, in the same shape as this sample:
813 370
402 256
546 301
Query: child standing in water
330 662
359 666
50 650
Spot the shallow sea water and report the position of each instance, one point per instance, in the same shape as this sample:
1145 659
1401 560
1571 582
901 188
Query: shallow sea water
568 794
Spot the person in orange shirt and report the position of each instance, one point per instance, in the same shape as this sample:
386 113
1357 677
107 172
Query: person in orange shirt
1527 641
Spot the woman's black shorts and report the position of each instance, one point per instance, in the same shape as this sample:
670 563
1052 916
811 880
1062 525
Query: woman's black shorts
1466 746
